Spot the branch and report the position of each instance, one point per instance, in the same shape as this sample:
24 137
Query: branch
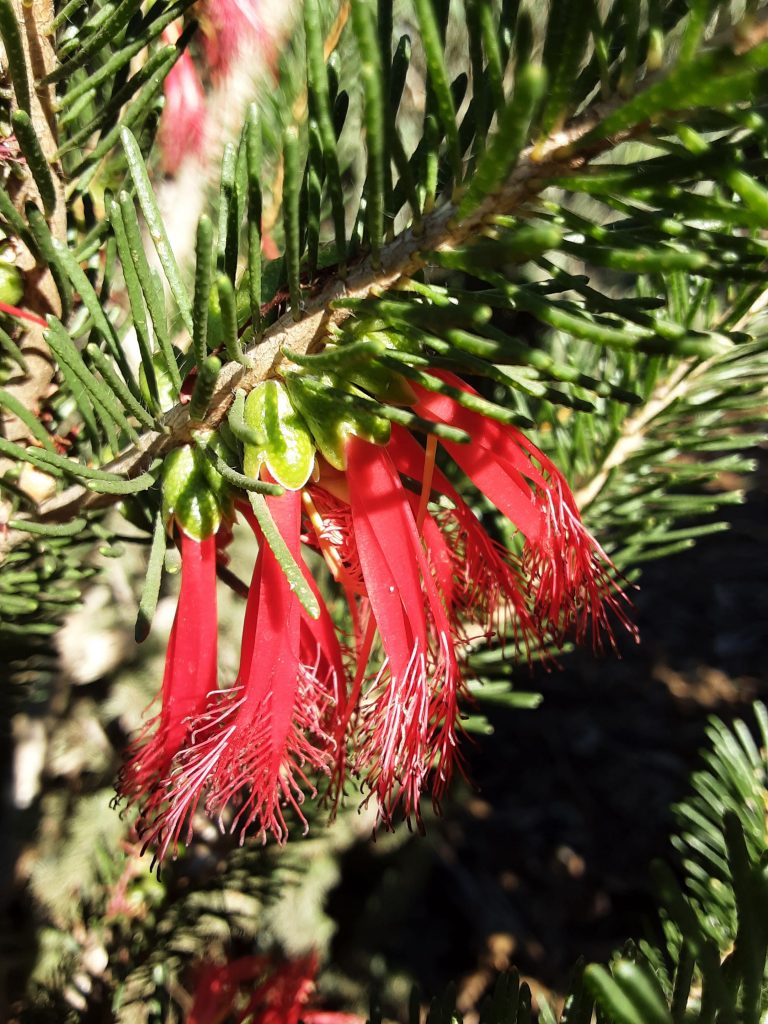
40 293
634 428
399 260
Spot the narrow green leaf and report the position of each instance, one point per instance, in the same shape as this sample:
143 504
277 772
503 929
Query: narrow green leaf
695 25
253 162
44 243
136 301
31 422
639 986
228 307
91 302
713 78
203 271
151 588
514 124
146 195
631 38
370 70
237 424
65 14
314 182
109 31
751 192
12 217
13 351
318 85
238 480
132 118
119 387
291 187
14 54
229 227
36 159
109 114
611 997
70 529
438 78
207 375
565 42
293 573
106 72
150 287
103 398
133 486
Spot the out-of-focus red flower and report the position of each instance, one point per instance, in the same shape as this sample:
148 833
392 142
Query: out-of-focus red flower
234 27
258 990
183 124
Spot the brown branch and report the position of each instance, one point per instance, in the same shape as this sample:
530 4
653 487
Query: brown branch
40 294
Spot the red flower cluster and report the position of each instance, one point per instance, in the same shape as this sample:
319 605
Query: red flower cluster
384 702
257 990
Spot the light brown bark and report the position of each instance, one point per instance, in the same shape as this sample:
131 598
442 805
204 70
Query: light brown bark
40 294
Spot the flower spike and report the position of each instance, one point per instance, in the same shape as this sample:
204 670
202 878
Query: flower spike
255 745
190 673
570 577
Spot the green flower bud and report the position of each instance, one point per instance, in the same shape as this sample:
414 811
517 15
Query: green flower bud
287 450
11 283
330 423
188 497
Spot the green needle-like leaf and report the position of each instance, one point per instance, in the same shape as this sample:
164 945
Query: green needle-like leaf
504 148
363 24
438 78
150 288
291 189
293 573
253 163
14 54
158 234
229 227
151 589
36 160
205 384
318 84
203 273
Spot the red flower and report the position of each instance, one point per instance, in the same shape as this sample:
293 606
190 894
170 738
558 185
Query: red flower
190 673
184 116
567 572
414 578
406 717
252 748
236 26
255 989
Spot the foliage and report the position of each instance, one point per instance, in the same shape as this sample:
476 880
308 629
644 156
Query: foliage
565 202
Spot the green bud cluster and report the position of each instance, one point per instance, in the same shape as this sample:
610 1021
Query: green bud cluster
195 495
